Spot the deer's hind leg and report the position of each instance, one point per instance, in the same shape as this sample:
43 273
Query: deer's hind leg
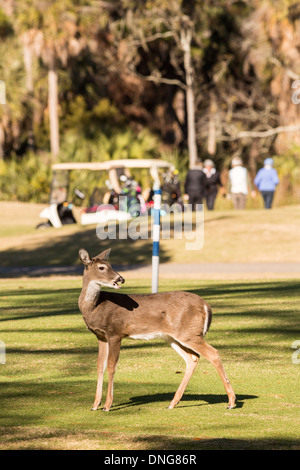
101 366
212 355
191 360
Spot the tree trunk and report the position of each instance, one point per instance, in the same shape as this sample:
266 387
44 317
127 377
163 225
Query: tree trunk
186 37
212 140
253 157
53 106
2 141
27 54
28 64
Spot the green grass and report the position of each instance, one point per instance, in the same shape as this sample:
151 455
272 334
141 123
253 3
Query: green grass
229 236
49 379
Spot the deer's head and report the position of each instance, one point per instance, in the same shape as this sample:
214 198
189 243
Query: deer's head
99 270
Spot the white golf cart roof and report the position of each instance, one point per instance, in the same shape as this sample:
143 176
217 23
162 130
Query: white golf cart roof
111 164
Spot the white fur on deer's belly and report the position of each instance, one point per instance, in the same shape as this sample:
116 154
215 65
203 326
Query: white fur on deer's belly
147 336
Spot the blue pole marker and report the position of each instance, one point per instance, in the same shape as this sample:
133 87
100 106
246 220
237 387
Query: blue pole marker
155 237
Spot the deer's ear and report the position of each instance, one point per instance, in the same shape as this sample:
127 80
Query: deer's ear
104 255
84 257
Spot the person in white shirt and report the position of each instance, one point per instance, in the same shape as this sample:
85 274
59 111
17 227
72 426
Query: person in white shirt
240 184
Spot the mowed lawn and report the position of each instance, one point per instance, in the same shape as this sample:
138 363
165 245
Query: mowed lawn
229 236
49 379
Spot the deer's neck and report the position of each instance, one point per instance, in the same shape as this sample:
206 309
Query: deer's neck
89 296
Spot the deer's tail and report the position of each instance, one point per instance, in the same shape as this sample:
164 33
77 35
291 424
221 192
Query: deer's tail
208 318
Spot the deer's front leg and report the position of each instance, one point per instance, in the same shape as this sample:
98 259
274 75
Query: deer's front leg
101 366
114 345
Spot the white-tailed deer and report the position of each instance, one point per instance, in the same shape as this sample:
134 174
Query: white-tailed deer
181 318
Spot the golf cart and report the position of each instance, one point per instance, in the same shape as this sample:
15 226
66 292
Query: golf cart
105 203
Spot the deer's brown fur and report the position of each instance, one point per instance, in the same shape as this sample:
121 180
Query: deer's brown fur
181 318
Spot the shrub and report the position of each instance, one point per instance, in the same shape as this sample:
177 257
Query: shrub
288 168
26 179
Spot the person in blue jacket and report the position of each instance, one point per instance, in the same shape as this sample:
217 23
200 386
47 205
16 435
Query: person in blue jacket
266 181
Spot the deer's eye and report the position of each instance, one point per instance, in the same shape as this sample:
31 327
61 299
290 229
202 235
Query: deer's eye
101 268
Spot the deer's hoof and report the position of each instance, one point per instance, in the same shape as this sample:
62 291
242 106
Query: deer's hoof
172 406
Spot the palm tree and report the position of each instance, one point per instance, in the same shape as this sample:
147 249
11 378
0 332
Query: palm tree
51 32
12 114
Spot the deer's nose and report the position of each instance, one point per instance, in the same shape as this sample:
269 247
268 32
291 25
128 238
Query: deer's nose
121 279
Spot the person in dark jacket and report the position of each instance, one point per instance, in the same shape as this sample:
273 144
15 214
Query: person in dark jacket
213 181
195 184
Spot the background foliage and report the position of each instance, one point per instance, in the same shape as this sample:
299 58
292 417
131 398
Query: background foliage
121 85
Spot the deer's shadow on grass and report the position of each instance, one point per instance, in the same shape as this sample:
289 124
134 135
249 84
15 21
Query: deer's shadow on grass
201 400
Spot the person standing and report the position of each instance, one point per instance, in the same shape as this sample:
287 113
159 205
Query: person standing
212 182
195 184
266 181
240 183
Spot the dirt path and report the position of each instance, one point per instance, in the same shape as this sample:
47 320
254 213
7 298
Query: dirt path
172 271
